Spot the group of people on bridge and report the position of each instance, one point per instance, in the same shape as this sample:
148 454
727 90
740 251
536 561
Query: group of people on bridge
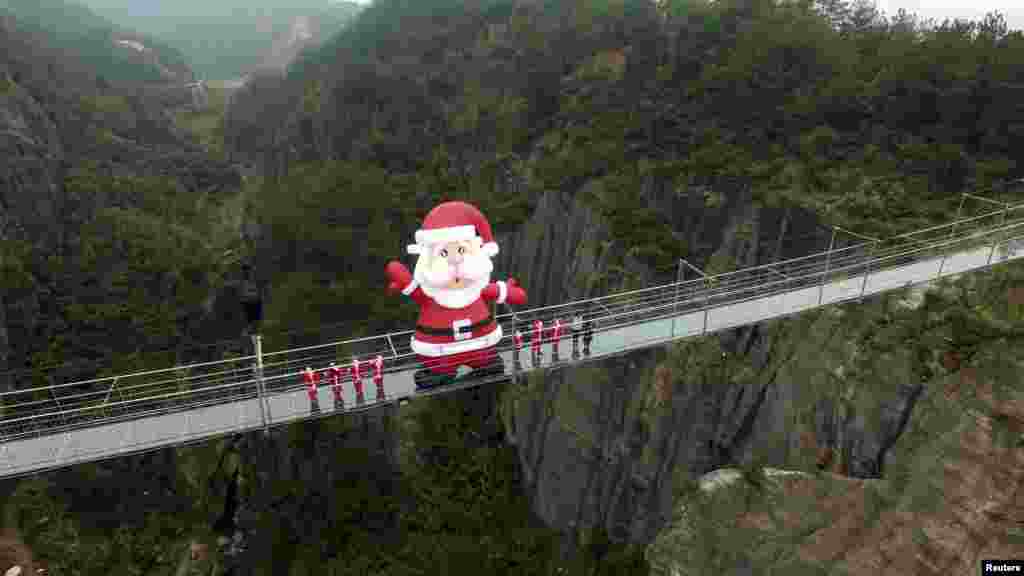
334 375
554 334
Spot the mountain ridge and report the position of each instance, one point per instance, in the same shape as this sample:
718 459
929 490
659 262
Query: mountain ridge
232 39
117 54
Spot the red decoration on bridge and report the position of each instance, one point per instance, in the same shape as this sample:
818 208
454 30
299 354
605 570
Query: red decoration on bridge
556 335
357 376
378 371
451 283
538 336
335 373
311 378
556 331
378 376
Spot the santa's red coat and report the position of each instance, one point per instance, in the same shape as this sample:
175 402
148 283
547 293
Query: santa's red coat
446 337
444 353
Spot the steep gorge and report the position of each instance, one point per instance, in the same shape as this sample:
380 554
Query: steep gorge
614 446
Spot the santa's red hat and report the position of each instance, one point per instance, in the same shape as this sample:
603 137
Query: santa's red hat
454 222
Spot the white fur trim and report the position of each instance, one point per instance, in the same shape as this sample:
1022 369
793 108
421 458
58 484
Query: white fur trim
502 292
414 249
411 287
445 235
435 350
491 249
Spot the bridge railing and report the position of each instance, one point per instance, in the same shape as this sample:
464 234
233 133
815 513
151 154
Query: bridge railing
83 403
980 232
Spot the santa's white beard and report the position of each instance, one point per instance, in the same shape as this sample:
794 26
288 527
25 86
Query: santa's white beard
433 280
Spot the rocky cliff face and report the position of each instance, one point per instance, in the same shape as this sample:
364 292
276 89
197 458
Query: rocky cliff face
603 445
962 501
565 245
31 168
609 445
54 114
249 136
30 164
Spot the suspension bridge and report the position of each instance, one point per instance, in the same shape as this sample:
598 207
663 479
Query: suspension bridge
45 428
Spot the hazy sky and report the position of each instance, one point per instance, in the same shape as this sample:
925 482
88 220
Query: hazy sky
1012 10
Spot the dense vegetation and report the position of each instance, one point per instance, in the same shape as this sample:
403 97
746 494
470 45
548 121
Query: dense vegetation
205 125
872 123
849 114
961 342
77 30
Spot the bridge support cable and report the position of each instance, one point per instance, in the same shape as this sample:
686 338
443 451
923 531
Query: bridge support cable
394 352
861 236
680 276
514 336
679 284
257 342
952 231
867 269
110 392
60 407
874 242
828 260
707 290
995 239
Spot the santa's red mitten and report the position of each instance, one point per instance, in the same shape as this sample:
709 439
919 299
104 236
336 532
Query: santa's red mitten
491 292
399 276
516 295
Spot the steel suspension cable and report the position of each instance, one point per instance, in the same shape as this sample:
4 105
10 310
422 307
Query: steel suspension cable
643 300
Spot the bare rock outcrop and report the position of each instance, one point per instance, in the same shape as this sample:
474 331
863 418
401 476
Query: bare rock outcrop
957 498
16 559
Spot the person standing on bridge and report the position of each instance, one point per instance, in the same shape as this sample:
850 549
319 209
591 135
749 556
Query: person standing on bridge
535 342
588 332
577 328
517 340
556 337
335 374
312 378
357 379
378 376
451 283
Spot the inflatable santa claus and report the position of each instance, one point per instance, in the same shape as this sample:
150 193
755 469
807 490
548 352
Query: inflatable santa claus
451 283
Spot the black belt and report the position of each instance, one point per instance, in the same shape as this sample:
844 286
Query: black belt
450 331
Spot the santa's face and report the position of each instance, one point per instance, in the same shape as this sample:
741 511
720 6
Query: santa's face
454 274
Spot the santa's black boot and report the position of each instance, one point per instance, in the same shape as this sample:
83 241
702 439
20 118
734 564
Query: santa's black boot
427 378
495 367
423 379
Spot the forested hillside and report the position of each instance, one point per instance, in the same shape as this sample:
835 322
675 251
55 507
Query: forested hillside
114 233
97 42
847 114
626 133
87 160
228 39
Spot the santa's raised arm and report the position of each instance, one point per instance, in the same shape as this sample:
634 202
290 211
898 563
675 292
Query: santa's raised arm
451 282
